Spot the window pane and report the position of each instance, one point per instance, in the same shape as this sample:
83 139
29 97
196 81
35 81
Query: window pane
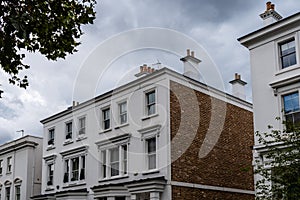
151 97
75 169
152 161
114 154
103 164
151 109
151 145
291 102
288 54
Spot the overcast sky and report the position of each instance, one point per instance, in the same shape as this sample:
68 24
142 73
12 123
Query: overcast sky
214 24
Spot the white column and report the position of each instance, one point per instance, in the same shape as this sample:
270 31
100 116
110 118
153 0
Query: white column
154 196
133 197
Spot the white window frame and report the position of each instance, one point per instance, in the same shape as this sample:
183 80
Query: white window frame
104 149
9 165
8 188
82 129
282 94
67 132
50 138
146 105
125 113
18 194
103 119
148 155
81 163
278 53
48 179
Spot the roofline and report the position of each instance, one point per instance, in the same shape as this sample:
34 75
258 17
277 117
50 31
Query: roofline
18 144
137 81
278 23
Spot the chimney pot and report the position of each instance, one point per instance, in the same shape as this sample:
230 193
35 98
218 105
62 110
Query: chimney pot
193 54
141 68
74 103
149 69
268 5
239 77
236 76
188 52
273 6
153 70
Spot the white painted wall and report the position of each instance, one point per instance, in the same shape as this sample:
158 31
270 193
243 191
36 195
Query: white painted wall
26 166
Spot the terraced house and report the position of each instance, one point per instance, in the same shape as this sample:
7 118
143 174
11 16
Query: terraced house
21 168
164 135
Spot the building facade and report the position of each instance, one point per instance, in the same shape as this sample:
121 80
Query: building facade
162 136
21 168
275 70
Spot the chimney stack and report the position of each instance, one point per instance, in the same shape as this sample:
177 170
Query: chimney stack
145 70
191 65
238 87
270 15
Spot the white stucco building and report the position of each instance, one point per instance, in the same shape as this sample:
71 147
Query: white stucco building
275 70
118 146
21 168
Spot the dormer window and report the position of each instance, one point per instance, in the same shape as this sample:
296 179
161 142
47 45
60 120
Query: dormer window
288 53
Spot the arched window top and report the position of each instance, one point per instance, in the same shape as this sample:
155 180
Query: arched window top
17 181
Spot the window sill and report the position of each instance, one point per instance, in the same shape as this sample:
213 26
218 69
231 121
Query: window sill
50 147
287 69
74 184
113 178
149 116
105 131
68 141
81 138
152 171
122 125
49 188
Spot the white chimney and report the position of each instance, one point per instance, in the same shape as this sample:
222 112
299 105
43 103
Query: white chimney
238 87
191 65
270 15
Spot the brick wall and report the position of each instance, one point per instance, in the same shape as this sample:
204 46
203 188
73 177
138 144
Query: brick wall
229 163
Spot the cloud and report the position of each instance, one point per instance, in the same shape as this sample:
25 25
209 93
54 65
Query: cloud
214 24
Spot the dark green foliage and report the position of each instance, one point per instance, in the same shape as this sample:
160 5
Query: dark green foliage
51 27
280 166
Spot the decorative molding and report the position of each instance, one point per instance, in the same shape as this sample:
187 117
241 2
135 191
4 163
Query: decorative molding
82 149
50 157
150 131
114 141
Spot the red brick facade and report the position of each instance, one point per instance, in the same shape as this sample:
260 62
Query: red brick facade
228 164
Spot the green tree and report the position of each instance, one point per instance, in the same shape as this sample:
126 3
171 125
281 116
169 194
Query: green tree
51 27
279 164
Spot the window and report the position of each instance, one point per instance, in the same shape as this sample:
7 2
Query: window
151 153
74 169
117 163
123 113
150 103
51 136
287 53
1 167
291 110
50 174
18 192
69 128
81 126
9 165
7 193
106 118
